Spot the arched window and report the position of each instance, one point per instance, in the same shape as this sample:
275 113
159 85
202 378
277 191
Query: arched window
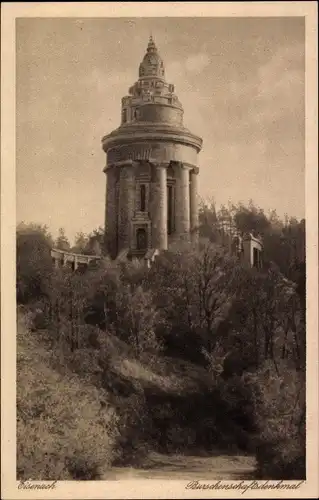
141 239
142 198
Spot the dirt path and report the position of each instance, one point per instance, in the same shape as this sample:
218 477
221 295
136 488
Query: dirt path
180 467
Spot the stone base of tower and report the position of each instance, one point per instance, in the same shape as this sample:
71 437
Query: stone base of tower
149 206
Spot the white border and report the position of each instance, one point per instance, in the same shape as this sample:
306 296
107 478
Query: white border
139 488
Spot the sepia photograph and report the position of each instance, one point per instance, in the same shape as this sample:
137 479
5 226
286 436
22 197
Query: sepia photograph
160 251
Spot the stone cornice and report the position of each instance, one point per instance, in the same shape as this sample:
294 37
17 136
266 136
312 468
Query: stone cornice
153 163
123 163
159 164
138 101
130 136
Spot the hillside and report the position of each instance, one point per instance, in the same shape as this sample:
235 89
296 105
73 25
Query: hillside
59 417
71 424
122 365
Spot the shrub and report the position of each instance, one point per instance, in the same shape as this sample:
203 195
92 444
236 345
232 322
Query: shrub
279 413
63 431
34 263
137 319
133 430
227 420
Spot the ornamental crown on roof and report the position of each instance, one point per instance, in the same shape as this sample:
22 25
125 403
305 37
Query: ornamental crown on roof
152 64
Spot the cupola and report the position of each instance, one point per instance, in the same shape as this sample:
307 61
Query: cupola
152 64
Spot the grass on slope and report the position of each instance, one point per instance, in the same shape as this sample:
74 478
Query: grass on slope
62 431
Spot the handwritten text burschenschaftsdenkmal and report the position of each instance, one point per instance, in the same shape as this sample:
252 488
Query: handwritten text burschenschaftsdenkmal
244 486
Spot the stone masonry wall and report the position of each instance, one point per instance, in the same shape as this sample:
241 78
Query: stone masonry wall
111 213
126 206
122 206
160 113
156 151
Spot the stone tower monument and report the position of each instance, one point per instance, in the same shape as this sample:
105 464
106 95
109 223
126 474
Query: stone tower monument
150 167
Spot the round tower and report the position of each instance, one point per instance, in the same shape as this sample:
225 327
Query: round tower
151 167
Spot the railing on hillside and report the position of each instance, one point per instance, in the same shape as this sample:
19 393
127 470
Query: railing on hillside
62 258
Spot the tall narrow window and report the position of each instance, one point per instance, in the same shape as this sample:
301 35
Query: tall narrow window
124 115
143 198
170 214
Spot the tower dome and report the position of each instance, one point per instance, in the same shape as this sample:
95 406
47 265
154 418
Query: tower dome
152 64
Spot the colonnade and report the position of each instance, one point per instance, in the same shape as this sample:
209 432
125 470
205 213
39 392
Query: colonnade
120 206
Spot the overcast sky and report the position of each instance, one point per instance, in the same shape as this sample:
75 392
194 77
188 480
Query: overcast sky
241 82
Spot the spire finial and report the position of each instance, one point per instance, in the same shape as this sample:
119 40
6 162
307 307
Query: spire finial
151 43
152 64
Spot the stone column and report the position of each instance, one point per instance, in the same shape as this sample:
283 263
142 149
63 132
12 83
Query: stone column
193 202
158 205
182 207
126 205
111 212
